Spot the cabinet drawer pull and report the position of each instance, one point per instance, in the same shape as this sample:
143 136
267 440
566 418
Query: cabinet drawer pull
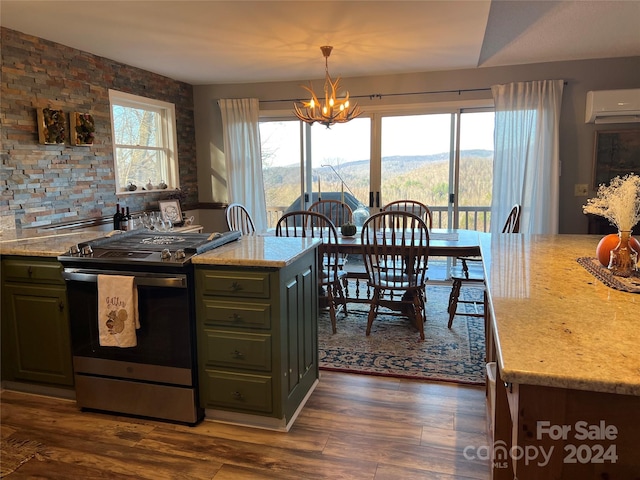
61 306
237 354
237 395
236 287
29 271
235 318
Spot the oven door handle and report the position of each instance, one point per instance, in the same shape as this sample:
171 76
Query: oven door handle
142 279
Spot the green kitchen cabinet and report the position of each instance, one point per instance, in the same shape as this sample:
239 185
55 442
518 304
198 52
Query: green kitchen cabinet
257 341
36 345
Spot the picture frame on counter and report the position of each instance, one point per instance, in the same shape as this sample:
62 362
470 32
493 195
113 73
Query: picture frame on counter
615 153
170 210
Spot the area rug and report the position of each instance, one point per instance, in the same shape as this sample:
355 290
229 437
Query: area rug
15 452
394 348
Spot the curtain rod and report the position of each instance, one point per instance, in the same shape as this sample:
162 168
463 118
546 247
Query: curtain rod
380 95
459 91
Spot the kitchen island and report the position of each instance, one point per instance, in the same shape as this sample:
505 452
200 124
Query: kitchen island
567 391
256 316
257 329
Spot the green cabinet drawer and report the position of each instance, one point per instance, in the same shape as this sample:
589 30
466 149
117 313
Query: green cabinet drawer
237 350
236 391
234 284
236 314
32 271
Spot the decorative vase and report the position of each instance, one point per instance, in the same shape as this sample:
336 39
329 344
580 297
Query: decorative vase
360 215
623 260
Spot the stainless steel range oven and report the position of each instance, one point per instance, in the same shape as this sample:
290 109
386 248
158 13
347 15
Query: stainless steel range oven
158 377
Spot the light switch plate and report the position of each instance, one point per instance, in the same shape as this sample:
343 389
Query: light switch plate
581 189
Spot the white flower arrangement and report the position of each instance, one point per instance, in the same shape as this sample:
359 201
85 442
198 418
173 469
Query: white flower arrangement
618 202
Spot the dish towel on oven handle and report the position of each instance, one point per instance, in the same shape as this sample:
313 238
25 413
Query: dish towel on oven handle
117 311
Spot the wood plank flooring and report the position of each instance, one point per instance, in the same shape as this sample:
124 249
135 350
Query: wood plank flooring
353 427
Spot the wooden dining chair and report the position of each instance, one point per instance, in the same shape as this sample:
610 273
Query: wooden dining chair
238 218
304 223
395 260
338 212
469 270
411 206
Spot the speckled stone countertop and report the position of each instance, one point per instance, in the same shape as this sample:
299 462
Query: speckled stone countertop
45 245
51 243
257 251
556 324
253 251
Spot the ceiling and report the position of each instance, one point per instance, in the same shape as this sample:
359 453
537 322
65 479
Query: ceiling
213 42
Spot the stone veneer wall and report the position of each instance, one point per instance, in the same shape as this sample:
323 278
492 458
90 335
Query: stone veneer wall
50 184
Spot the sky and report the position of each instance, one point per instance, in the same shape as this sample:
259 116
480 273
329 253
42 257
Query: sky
402 135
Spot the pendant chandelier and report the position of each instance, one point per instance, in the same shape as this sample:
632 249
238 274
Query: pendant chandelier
333 110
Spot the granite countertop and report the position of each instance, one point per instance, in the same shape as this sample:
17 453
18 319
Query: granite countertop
258 251
254 251
48 243
555 324
37 244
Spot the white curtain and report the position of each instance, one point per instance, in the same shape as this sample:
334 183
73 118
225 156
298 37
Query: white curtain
526 163
243 158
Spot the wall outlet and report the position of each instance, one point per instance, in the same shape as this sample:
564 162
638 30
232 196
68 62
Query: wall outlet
581 190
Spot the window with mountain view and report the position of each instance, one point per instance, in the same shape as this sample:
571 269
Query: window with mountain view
433 158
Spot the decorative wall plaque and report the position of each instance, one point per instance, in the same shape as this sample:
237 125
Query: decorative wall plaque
52 126
83 129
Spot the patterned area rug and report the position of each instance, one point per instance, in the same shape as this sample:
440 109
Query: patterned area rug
394 347
15 452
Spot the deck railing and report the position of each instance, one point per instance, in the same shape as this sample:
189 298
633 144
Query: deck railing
470 217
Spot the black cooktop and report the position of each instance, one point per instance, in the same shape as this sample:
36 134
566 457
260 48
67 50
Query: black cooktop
146 247
157 241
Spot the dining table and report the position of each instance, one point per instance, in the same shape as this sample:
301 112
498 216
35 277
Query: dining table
443 242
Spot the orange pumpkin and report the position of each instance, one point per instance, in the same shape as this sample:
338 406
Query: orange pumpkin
608 243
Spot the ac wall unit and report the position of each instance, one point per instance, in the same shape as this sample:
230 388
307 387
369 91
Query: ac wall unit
613 106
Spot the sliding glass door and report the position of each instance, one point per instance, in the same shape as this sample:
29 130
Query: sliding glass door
416 159
282 166
441 159
341 161
302 163
474 171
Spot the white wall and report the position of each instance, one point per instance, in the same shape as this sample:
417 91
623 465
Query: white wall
576 137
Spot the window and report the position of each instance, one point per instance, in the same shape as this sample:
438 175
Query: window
144 143
280 148
439 154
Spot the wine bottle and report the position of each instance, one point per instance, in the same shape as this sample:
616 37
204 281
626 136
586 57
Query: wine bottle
123 220
117 218
129 220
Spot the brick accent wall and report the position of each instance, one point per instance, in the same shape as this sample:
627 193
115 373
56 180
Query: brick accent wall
50 184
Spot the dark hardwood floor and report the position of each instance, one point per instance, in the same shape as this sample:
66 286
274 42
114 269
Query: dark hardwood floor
353 427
